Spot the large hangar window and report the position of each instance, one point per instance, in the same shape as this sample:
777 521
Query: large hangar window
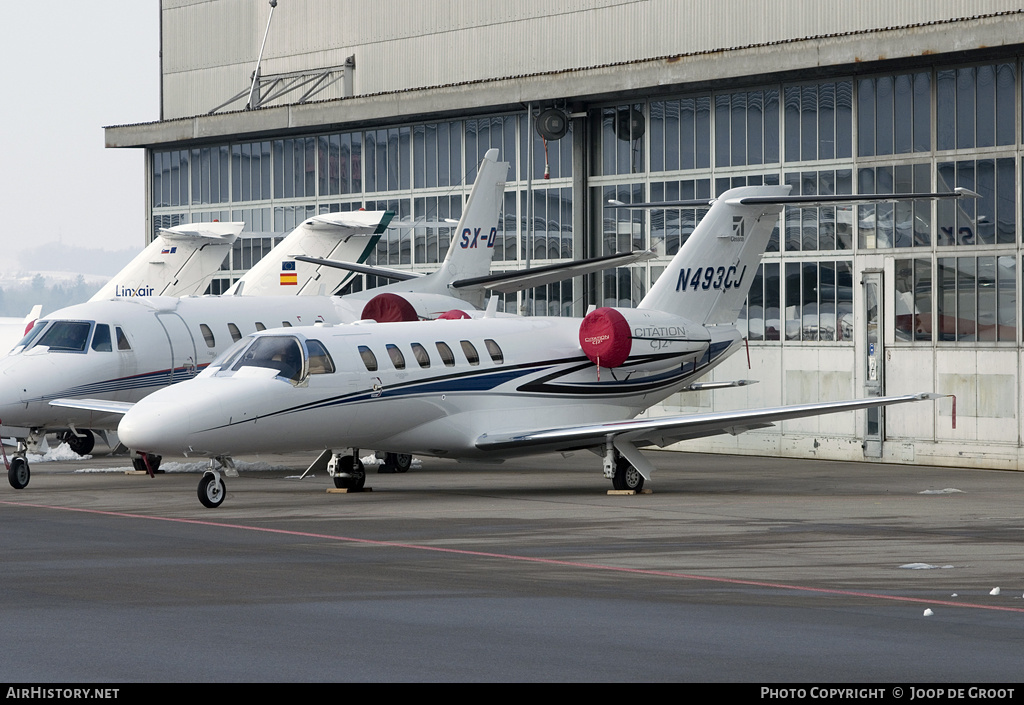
681 133
894 114
747 127
903 224
978 106
819 121
989 220
975 299
825 227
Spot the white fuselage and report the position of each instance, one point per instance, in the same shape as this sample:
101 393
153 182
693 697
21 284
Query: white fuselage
392 388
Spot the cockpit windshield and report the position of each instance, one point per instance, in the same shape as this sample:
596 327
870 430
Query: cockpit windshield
291 357
60 336
281 353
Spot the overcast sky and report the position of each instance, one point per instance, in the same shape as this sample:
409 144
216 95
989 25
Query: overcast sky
72 67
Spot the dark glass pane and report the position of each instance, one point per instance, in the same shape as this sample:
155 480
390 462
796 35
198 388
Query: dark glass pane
883 115
945 118
986 110
903 110
866 117
965 109
922 112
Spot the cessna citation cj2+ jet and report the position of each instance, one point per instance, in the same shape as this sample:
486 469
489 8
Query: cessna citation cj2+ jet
490 387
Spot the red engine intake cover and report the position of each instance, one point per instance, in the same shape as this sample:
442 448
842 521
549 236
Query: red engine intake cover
453 315
388 308
605 337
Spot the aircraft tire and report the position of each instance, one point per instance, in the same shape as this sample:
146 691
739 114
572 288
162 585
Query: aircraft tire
82 445
627 477
397 462
154 462
211 492
356 479
18 474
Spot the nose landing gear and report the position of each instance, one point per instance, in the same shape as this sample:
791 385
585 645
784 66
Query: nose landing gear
18 473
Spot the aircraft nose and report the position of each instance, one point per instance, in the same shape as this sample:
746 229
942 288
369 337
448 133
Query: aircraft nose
156 426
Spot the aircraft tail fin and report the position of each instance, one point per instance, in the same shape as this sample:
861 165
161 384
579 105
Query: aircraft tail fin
179 262
347 236
708 279
472 247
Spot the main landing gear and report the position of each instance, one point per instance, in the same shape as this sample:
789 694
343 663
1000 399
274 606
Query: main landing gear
81 442
396 462
626 473
347 470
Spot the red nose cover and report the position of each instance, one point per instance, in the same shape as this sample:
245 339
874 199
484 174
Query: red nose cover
605 337
388 308
453 315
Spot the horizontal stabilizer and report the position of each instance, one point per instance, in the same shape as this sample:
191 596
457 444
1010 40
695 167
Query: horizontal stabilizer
374 222
209 232
822 200
510 282
383 272
104 405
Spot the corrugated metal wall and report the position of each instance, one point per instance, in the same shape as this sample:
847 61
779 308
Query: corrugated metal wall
210 46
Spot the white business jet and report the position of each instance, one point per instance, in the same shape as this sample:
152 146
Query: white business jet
490 387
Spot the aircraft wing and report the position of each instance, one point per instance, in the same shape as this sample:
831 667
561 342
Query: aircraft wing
662 431
104 405
510 282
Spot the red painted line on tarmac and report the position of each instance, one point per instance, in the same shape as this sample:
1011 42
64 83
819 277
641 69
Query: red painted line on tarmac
529 559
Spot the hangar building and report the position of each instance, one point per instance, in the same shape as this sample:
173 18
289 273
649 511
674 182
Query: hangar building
393 103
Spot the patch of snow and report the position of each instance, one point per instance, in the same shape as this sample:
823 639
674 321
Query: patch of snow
199 467
948 490
61 452
928 612
994 591
924 566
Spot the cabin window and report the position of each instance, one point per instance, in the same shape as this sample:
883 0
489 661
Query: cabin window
286 324
397 358
236 334
101 338
420 353
320 362
369 359
66 336
495 352
447 356
208 335
281 353
122 339
260 326
472 356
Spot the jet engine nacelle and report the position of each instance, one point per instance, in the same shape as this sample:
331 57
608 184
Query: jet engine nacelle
609 336
409 306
